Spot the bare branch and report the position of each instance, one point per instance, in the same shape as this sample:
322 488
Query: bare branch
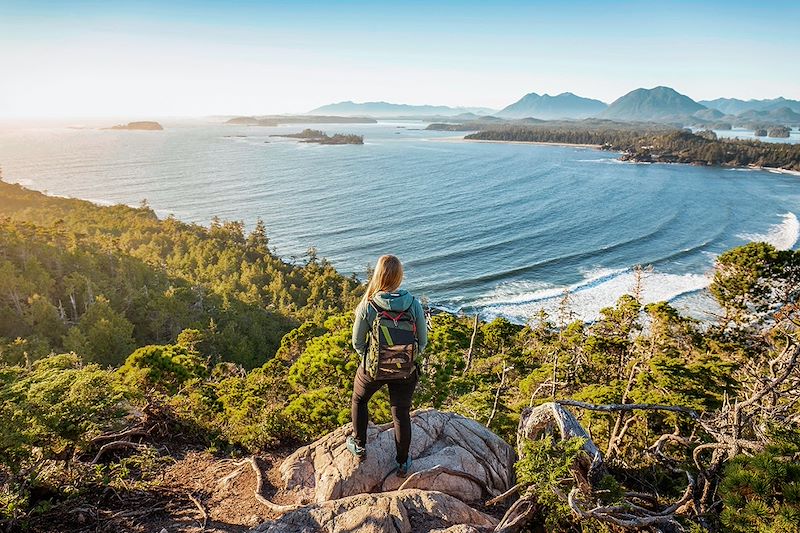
497 395
201 508
507 494
116 445
128 433
468 362
615 407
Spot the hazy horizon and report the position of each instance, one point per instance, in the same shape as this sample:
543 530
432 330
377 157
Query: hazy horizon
199 59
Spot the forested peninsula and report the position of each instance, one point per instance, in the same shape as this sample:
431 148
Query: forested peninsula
642 142
677 146
140 358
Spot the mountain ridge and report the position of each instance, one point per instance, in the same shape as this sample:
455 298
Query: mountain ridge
378 108
659 103
564 105
736 106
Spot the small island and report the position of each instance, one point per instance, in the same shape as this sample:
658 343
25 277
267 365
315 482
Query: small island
144 125
779 131
249 121
320 137
760 132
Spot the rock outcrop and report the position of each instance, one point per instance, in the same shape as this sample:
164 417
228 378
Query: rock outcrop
402 511
456 461
452 454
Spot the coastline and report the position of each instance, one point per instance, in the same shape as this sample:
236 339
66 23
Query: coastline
776 170
457 138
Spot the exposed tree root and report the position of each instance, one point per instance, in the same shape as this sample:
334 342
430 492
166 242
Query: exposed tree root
274 507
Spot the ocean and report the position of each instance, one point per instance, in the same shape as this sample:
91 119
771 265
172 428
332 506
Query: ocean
499 229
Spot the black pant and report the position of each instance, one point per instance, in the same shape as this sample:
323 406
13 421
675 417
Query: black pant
400 394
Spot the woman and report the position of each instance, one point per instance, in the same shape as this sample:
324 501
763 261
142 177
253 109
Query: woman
385 297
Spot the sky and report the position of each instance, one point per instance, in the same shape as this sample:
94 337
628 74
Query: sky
197 58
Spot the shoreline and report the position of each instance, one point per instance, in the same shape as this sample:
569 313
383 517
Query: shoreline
457 138
776 170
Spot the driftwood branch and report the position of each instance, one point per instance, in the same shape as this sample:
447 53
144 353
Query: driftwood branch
619 516
128 433
518 516
227 479
616 407
116 445
503 497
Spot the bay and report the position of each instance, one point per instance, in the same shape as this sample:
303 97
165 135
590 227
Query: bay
501 229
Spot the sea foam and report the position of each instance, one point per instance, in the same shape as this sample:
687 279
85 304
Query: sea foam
599 288
782 236
519 301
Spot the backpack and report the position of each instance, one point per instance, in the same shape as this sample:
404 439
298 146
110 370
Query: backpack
392 346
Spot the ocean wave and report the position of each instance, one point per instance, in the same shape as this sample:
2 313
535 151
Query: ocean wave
569 258
599 288
612 160
782 236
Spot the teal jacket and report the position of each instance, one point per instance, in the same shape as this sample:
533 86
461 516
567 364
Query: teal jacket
395 301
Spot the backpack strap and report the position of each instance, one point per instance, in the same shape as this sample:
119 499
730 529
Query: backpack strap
380 310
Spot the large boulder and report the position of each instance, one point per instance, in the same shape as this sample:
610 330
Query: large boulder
402 511
452 454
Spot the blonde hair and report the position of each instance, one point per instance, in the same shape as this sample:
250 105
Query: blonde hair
387 277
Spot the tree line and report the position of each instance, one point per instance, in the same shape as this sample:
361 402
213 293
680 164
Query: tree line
664 146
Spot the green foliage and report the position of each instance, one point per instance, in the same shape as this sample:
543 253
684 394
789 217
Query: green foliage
753 282
164 368
105 336
56 404
49 411
101 281
544 469
762 492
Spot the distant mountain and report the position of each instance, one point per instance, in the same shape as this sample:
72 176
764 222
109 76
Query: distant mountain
656 104
275 120
564 105
386 109
734 106
709 114
782 115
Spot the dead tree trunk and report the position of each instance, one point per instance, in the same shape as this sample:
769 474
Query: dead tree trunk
468 362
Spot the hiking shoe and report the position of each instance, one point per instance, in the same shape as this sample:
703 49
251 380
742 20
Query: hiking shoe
403 469
359 451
